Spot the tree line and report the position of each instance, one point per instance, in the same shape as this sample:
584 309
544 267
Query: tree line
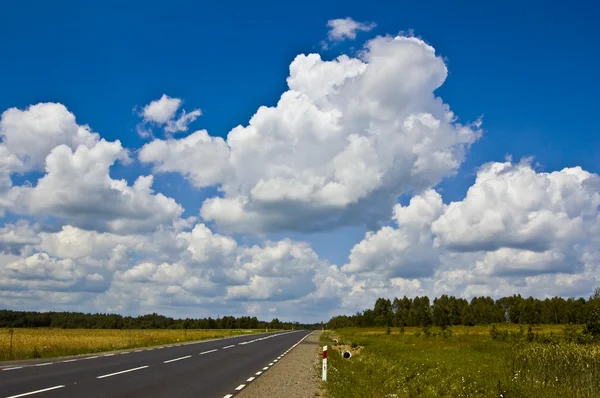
78 320
449 310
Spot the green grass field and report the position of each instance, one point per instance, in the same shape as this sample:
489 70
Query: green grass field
465 362
28 343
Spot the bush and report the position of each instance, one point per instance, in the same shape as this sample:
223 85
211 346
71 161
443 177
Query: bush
592 325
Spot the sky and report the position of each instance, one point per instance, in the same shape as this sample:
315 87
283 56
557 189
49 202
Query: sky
295 162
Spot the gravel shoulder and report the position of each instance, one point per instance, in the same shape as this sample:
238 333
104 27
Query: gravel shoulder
294 376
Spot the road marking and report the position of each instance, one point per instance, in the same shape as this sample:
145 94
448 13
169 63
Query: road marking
228 396
15 368
126 352
35 392
207 352
121 372
238 388
229 346
271 364
177 359
138 350
91 357
265 368
258 373
251 378
109 355
275 361
70 360
160 348
44 364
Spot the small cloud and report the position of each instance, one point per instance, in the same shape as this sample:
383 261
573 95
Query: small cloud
162 113
346 28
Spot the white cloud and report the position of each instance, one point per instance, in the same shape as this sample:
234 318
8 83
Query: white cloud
203 159
30 135
14 237
78 189
347 138
346 28
405 251
162 112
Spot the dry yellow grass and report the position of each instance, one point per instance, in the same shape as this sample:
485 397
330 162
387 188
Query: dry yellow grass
46 342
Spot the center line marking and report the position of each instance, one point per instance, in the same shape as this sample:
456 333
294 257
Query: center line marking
123 371
35 392
15 368
238 388
207 352
229 346
177 359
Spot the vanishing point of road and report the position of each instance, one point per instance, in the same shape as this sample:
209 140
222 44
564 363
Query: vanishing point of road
216 368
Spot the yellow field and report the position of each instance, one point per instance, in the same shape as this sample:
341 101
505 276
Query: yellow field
30 343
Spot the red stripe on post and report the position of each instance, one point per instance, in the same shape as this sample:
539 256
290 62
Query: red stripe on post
324 354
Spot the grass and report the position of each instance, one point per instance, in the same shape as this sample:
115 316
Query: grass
464 362
31 343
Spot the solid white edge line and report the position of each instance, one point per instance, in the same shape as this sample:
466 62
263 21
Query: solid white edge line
208 352
35 392
121 372
15 368
177 359
238 388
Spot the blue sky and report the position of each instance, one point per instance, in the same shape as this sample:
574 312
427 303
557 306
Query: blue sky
528 68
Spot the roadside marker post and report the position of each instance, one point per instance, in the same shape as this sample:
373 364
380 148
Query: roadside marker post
325 363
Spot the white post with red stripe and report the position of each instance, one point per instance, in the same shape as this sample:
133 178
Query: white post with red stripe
325 363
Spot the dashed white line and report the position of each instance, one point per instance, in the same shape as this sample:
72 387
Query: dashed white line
271 364
228 396
35 392
258 373
44 364
121 372
207 352
238 388
69 360
15 368
251 378
177 359
109 355
265 368
92 357
229 346
126 352
138 350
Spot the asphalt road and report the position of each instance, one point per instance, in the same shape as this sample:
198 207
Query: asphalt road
217 368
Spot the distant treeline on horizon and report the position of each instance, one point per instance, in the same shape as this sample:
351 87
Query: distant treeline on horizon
449 310
78 320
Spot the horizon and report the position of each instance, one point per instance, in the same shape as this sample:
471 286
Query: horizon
295 164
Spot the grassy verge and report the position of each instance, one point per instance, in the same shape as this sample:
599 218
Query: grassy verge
465 362
45 342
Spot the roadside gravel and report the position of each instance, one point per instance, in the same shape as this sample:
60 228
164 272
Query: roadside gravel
294 376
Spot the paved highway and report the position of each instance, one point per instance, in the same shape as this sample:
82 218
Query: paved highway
217 368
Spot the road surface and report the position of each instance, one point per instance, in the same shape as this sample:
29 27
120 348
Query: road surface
218 368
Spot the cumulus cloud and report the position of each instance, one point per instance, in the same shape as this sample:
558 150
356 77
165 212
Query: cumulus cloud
78 189
348 137
162 113
29 135
203 159
346 28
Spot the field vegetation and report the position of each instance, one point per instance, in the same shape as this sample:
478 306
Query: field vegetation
29 343
500 360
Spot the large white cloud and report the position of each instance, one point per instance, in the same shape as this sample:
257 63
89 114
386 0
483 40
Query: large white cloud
78 188
29 135
348 137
